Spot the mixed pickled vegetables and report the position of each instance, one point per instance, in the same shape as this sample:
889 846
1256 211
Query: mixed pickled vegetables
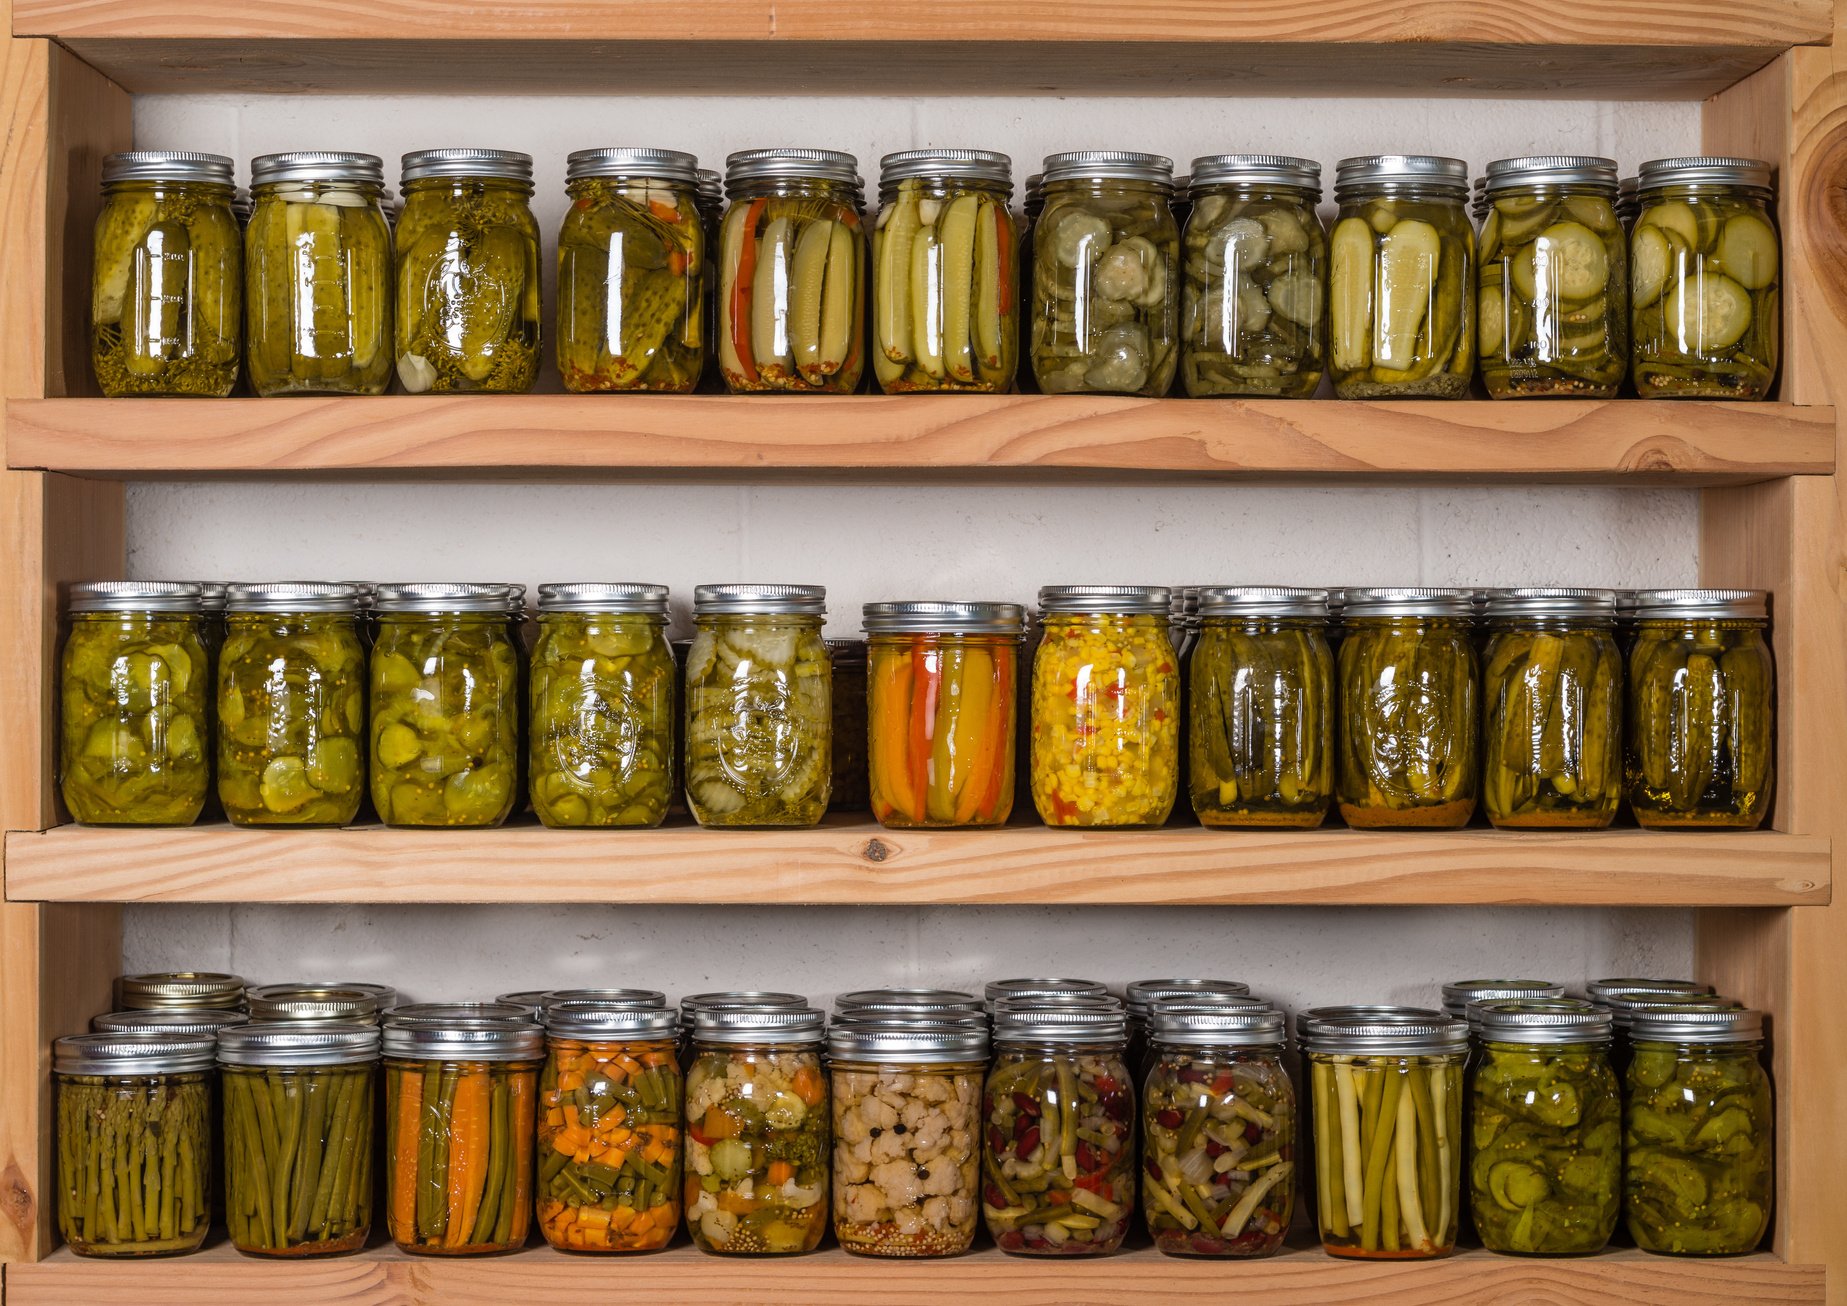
1701 716
1260 717
298 1158
791 295
907 1158
1706 271
944 288
758 722
458 1159
757 1150
1253 310
1552 718
1401 312
1388 1153
602 692
1059 1161
1408 724
609 1145
1106 297
134 1163
941 716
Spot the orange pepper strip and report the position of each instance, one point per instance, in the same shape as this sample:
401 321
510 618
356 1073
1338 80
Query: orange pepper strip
740 291
1005 670
404 1164
926 687
890 709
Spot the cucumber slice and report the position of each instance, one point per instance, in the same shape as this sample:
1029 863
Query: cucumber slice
1674 216
1491 239
1585 328
1707 312
1593 211
1492 308
1651 263
1572 260
1748 251
1524 217
1351 254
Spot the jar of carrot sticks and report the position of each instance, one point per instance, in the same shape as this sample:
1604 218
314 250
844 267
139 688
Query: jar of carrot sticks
1388 1134
460 1098
609 1128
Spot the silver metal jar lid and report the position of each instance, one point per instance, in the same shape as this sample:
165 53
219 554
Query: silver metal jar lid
1128 599
164 1021
467 162
791 164
1361 1036
1550 170
1224 1027
173 166
185 990
317 165
1062 1024
846 652
727 998
633 161
1429 170
1261 601
329 1043
530 1001
365 594
1604 989
1014 988
1201 1003
1050 1001
292 596
629 999
759 1025
441 1011
516 600
1255 170
922 1042
1622 1010
1409 602
760 600
957 165
441 597
620 597
596 1020
460 1039
1695 1023
949 1017
133 1053
1702 170
1553 601
1141 994
1541 1021
1107 165
711 183
912 1000
929 617
1656 605
314 1001
135 596
1375 1012
1458 996
212 596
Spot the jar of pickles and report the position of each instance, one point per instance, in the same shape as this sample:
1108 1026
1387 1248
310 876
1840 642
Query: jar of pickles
166 308
468 273
1106 264
631 272
339 1001
757 1130
1551 710
791 294
1707 270
1254 309
1701 710
940 704
134 1141
1408 713
134 693
759 717
602 714
460 1095
1105 707
1261 709
318 275
1402 305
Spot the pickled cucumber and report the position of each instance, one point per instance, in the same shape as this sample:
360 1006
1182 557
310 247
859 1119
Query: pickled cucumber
791 302
1106 297
1551 719
1408 724
318 284
1707 277
1403 315
1700 725
1260 704
1253 318
602 720
758 723
467 287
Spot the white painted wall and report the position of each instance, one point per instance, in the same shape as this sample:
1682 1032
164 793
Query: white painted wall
892 540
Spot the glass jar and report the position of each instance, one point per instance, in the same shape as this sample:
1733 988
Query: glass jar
1624 996
1059 1155
1461 994
602 710
1141 996
1553 315
944 282
460 1119
134 1125
940 706
792 294
1408 713
134 693
907 1134
318 275
1218 1134
1545 1127
694 1003
166 317
1552 710
1032 204
1402 302
298 1112
1260 711
609 1129
468 273
445 706
181 990
345 1002
1701 710
291 706
757 1130
1699 1170
850 790
1105 707
924 1004
631 272
1253 312
1388 1132
1706 265
1106 270
759 716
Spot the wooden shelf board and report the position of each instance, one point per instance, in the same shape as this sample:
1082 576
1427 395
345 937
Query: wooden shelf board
946 436
849 861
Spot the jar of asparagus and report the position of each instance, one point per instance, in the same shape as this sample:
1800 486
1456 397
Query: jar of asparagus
1105 707
632 272
1545 1124
1106 265
757 1130
602 706
340 1001
945 285
1552 696
1554 282
942 680
166 308
445 706
1388 1131
318 275
298 1111
1402 306
759 717
1701 710
468 273
1707 269
134 693
1408 711
791 294
134 1124
1253 310
1261 709
460 1095
850 790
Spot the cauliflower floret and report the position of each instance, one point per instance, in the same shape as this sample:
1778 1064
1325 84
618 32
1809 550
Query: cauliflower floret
865 1204
701 1158
878 1113
889 1146
916 1115
944 1180
853 1125
936 1212
934 1089
898 1181
850 1169
961 1206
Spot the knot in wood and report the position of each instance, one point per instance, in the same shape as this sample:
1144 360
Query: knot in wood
876 851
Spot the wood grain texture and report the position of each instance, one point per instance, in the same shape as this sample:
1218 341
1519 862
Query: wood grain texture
947 435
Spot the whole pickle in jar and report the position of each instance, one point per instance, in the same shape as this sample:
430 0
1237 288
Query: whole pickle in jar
1402 320
303 1186
1261 716
944 289
1552 718
1700 712
1408 719
1253 312
759 724
1105 293
792 295
1706 297
1553 295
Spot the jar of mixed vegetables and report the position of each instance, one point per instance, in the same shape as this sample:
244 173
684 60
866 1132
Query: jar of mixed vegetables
1707 270
757 1130
181 990
134 693
340 1001
850 789
1105 707
1460 995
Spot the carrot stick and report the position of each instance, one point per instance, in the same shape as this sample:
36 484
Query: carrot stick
740 291
409 1126
926 685
994 744
891 713
466 1164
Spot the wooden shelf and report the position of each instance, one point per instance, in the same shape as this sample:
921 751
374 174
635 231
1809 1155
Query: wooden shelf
947 436
856 862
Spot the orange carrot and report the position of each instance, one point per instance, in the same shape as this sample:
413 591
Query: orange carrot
926 685
891 713
740 291
808 1085
982 792
478 1086
404 1163
664 211
781 1172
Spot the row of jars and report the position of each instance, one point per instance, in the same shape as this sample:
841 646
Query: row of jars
1101 289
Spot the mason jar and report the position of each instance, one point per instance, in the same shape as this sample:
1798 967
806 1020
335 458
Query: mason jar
920 1003
1032 204
747 999
166 313
1140 998
1624 996
1034 987
1402 303
1253 310
711 189
345 1002
1706 264
204 1022
1106 269
1460 995
181 990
